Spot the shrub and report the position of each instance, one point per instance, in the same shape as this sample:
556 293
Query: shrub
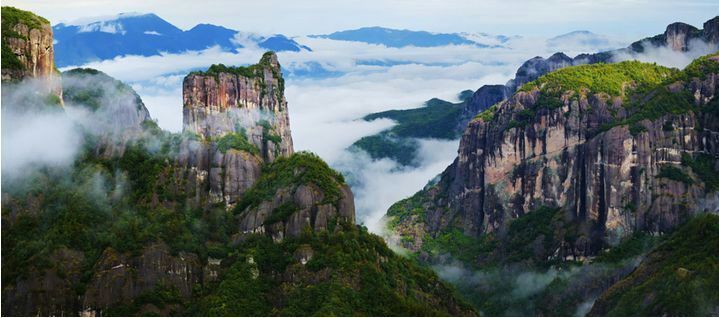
238 141
674 173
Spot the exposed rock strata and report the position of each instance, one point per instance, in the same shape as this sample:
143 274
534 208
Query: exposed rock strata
31 43
606 180
218 104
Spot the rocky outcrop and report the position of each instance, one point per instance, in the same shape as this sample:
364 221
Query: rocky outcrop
528 153
27 49
538 66
296 194
216 177
120 278
117 112
239 116
483 98
305 208
232 99
710 33
678 36
57 285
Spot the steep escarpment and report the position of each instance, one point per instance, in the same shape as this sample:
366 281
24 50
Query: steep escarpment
296 193
613 145
226 100
678 36
237 119
571 165
27 50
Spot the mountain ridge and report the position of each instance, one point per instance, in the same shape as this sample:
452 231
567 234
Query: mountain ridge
400 38
147 35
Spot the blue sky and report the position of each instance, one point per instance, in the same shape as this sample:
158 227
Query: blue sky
630 18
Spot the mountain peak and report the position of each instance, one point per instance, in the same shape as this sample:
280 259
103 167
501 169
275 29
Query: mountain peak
147 34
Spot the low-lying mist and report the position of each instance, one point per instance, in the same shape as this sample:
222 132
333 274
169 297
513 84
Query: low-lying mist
377 184
517 290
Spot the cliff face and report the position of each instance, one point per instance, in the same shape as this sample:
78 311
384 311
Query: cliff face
27 49
533 150
293 195
119 278
229 99
678 36
239 115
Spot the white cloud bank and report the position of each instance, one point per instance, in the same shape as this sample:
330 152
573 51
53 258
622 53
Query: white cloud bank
325 112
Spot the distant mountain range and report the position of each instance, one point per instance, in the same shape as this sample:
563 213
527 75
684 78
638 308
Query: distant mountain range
147 35
581 38
401 38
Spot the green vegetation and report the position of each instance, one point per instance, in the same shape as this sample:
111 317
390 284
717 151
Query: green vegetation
386 145
281 213
488 114
605 78
105 89
164 298
637 244
530 239
12 16
402 210
635 129
437 119
300 168
251 71
268 132
704 166
659 102
639 84
537 248
121 202
246 71
515 271
460 246
78 212
351 272
643 87
678 278
673 173
364 280
9 60
526 231
701 67
237 141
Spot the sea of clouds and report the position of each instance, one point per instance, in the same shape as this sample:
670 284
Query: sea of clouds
330 88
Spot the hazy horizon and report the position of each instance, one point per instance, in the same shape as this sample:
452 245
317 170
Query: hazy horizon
547 18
